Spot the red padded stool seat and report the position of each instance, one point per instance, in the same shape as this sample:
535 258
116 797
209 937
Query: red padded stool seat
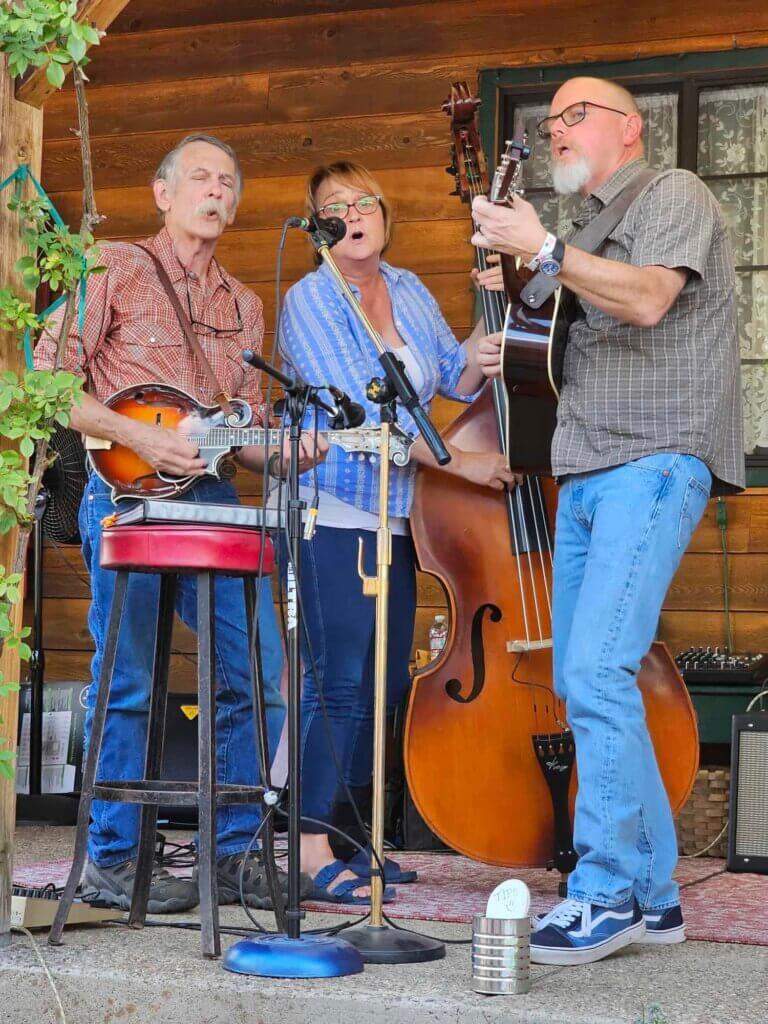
220 549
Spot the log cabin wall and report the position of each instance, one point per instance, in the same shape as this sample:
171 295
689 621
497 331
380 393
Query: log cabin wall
292 83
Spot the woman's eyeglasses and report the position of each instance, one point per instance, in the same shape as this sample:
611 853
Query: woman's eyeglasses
363 205
570 116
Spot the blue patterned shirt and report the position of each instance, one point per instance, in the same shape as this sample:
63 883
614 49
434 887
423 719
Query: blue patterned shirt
323 342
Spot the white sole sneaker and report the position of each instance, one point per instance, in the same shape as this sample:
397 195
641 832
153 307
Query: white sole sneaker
668 937
565 957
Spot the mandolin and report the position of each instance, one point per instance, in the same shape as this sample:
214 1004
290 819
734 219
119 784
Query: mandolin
215 436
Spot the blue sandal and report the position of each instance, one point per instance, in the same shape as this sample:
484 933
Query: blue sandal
393 873
344 892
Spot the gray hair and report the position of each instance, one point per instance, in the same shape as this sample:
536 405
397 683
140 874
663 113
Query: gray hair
169 164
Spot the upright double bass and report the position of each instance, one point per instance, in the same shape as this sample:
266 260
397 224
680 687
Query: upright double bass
489 757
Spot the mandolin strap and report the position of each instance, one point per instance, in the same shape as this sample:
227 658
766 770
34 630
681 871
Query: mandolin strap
220 396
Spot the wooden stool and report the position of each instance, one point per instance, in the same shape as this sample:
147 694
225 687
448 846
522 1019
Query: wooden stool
171 551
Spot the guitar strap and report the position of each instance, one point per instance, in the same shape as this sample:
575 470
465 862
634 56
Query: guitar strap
220 396
592 237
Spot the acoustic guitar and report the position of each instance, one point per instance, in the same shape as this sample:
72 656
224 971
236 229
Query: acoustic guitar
208 429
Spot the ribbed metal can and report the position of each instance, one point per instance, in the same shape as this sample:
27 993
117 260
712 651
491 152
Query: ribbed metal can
501 955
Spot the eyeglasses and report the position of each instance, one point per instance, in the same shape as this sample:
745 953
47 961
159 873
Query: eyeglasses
364 205
200 327
572 115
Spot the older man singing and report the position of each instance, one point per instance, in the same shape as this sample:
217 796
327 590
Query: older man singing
132 335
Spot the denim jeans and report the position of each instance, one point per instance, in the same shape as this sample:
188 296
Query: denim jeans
619 538
113 836
340 625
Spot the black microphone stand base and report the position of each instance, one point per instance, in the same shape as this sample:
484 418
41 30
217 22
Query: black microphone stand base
383 944
279 956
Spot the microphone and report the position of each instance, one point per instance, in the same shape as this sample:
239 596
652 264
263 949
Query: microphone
332 229
348 413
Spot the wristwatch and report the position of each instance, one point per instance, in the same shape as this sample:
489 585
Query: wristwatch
552 265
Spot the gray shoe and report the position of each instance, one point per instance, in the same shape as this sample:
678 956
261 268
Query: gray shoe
167 894
255 884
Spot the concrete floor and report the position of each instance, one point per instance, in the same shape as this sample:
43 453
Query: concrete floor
111 975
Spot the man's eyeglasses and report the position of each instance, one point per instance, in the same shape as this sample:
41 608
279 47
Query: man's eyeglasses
200 327
364 205
572 115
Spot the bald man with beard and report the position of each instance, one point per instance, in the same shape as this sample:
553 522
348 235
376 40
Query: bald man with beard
648 426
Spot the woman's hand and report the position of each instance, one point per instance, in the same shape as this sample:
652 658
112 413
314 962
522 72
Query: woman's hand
490 279
488 354
488 469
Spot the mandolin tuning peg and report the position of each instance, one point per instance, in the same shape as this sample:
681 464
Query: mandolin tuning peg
453 169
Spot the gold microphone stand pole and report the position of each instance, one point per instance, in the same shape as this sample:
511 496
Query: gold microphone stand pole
378 941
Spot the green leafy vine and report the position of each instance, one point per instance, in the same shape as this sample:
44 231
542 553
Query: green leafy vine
34 33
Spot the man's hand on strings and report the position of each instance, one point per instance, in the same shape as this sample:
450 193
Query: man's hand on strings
489 354
514 229
310 454
491 278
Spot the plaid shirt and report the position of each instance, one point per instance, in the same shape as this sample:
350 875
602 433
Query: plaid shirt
633 391
131 335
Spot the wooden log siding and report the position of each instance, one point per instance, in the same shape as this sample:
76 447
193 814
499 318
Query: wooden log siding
294 82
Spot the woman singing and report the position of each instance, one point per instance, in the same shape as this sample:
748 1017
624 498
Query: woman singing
322 341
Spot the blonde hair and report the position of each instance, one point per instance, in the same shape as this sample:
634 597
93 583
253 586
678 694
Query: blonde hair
355 176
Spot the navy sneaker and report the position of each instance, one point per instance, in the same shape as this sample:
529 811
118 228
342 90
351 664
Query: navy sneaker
663 927
580 933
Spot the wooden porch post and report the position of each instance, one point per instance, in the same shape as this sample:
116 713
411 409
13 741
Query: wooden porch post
21 141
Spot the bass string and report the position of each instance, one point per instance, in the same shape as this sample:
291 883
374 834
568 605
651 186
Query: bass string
494 313
495 323
514 498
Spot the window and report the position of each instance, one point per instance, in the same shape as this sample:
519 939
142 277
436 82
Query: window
704 112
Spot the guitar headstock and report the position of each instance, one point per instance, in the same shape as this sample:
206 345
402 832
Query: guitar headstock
507 175
468 159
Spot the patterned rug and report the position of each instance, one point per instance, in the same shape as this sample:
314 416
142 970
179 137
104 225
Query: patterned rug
718 906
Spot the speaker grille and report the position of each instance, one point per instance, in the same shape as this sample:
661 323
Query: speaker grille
752 818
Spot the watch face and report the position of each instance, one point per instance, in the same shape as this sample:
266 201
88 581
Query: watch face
549 266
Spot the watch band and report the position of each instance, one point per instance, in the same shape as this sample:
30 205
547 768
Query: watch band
547 247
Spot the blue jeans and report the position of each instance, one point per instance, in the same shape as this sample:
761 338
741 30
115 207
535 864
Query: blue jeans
113 836
619 538
340 624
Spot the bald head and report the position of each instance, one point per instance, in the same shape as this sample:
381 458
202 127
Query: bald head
599 90
587 152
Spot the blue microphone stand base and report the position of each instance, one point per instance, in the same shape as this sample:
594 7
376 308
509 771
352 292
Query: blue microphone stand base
278 956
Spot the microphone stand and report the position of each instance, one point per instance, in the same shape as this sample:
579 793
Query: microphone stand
378 941
292 955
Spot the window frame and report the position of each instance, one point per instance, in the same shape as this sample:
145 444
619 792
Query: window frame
687 74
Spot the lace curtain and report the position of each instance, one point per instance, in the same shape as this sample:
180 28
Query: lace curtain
733 141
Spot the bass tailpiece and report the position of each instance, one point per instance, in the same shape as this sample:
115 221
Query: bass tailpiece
556 754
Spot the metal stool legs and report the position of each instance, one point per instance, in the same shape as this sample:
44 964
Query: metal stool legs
92 758
153 757
206 854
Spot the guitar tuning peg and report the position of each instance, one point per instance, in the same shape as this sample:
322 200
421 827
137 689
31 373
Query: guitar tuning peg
453 169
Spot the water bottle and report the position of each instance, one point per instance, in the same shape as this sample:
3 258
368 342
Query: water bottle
438 634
